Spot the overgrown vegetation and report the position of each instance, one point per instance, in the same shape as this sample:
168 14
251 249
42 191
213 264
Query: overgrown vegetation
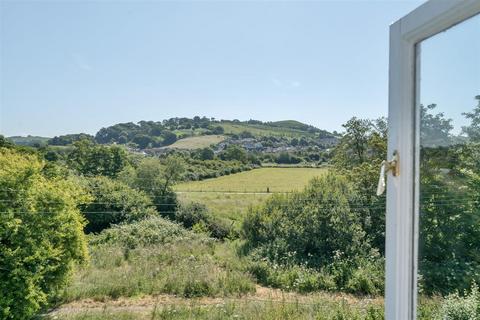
316 239
307 230
41 234
155 256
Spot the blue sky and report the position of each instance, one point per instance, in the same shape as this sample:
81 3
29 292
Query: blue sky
71 67
450 71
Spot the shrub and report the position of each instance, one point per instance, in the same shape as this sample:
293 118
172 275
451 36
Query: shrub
40 233
195 216
151 231
191 214
314 224
114 202
317 229
456 307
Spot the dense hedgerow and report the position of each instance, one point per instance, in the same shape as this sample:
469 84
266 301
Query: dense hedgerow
205 169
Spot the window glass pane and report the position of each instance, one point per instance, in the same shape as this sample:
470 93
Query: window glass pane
449 244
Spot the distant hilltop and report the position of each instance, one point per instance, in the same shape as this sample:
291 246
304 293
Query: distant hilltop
156 134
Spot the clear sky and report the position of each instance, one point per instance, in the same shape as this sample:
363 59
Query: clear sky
69 67
450 71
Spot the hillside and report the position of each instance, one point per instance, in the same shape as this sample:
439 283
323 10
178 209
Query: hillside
28 140
286 128
190 133
197 142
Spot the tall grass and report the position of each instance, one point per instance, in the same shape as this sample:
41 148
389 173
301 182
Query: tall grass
244 309
181 263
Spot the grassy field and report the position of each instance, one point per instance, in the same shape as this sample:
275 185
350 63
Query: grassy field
230 206
258 180
229 197
263 130
197 142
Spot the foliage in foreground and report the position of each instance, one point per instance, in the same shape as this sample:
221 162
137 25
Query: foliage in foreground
457 307
155 256
41 234
245 309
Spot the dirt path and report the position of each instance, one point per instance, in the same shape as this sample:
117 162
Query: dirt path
146 304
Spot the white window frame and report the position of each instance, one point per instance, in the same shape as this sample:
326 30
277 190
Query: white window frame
402 217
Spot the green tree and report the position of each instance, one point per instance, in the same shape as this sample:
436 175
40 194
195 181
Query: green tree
313 225
143 141
358 156
434 128
449 195
473 130
90 159
41 234
169 138
234 152
114 202
364 140
218 130
5 143
69 139
207 154
156 178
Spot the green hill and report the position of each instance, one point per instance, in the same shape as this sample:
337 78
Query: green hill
287 128
28 140
154 134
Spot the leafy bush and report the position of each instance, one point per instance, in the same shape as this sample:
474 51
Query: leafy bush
151 231
191 213
456 307
114 202
195 215
41 234
318 229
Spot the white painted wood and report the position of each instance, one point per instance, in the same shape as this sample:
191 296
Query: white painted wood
399 234
402 191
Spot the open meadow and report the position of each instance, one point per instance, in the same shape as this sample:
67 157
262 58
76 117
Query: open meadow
229 197
258 180
197 142
263 130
